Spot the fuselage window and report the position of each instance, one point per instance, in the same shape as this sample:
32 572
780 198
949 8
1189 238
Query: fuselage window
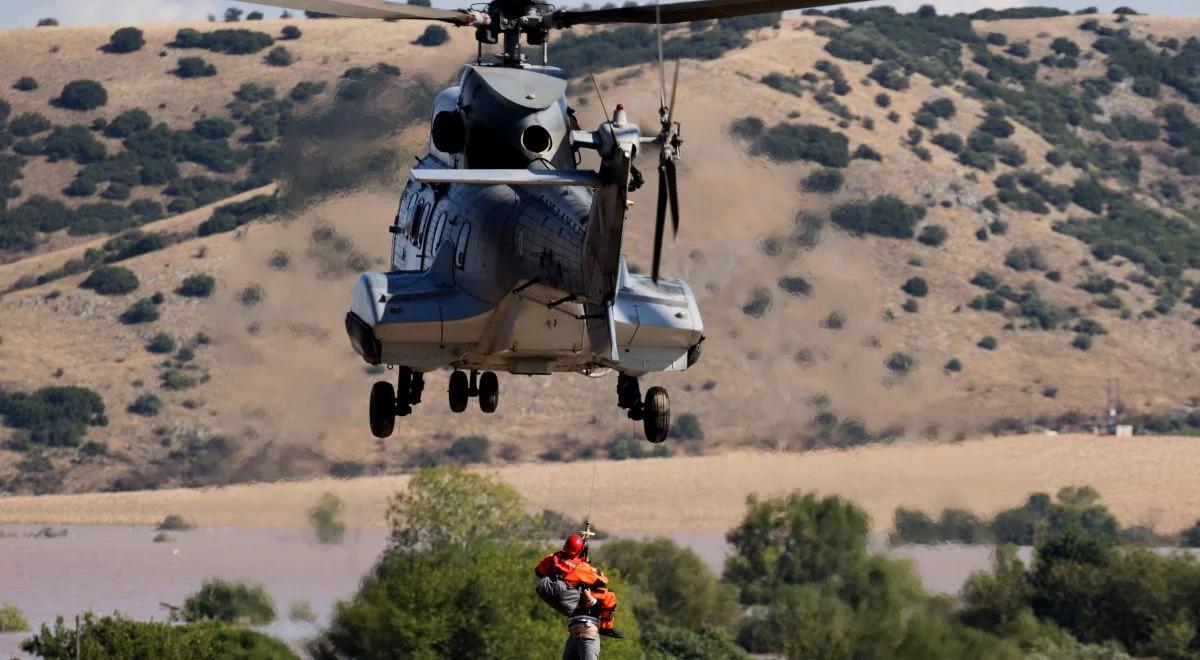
414 228
460 257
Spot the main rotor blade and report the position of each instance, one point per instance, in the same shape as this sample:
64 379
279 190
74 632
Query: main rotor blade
373 9
660 221
674 89
673 196
683 12
662 74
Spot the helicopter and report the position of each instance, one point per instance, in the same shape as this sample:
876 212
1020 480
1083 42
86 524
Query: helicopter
505 255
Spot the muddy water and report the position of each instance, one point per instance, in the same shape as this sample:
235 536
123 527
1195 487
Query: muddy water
107 569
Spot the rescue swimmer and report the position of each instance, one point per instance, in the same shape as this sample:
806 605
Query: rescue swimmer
578 590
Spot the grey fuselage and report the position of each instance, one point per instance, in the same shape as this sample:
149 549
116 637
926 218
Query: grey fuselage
495 277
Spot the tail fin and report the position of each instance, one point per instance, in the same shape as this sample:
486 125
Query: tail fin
602 240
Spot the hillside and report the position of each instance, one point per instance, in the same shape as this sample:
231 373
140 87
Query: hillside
271 388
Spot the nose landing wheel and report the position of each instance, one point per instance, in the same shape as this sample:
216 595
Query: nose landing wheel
387 402
654 412
383 409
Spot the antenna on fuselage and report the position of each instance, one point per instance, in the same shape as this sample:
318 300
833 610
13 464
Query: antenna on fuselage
600 96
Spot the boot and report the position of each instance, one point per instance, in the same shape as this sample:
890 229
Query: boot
612 632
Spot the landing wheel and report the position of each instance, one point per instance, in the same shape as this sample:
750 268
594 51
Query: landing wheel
383 409
656 414
459 391
489 391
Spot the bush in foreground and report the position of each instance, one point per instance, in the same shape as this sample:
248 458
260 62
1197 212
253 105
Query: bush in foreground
117 637
11 619
229 601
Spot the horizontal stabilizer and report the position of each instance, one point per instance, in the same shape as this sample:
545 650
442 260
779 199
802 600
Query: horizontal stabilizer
508 177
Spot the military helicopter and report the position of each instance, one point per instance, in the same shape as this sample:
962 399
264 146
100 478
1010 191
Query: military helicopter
505 256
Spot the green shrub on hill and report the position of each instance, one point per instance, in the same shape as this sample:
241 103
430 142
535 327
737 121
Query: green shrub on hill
125 40
142 311
53 416
280 56
82 95
194 67
29 123
228 41
1162 245
884 216
929 45
146 405
103 218
25 84
792 142
75 142
824 180
197 286
306 90
231 216
434 35
127 123
111 281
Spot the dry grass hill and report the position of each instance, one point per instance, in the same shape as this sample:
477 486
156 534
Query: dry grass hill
271 389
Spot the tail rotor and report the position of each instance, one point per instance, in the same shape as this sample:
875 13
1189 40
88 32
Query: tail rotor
669 142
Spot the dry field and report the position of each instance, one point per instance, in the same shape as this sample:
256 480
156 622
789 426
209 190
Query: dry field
1143 480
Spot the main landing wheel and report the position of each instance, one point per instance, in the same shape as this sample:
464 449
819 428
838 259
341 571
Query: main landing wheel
459 391
489 391
656 414
383 409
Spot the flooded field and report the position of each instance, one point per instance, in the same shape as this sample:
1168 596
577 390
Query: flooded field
119 568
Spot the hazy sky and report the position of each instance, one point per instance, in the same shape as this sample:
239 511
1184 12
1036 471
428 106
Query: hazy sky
15 13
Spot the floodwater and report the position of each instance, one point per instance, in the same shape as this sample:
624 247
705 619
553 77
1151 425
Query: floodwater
115 568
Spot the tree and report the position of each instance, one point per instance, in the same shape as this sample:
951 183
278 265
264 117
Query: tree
455 583
229 602
233 15
458 602
447 507
83 95
774 544
324 516
125 40
681 590
289 33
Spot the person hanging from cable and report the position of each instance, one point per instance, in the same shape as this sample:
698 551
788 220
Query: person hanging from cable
578 590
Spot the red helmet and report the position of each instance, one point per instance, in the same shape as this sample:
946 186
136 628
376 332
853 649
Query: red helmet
573 546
